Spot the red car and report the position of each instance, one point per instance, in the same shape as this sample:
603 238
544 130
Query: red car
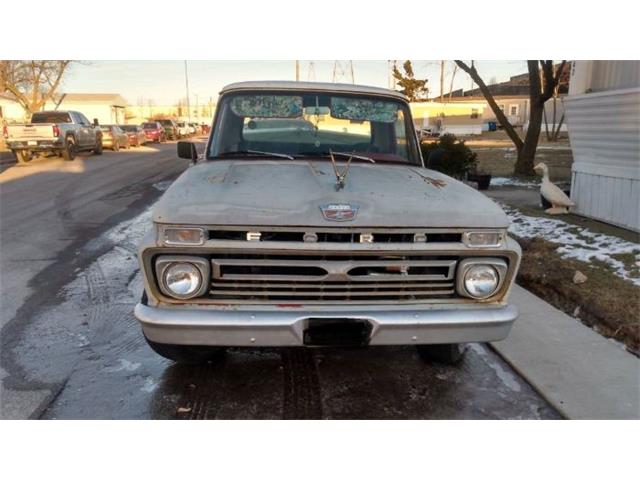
154 132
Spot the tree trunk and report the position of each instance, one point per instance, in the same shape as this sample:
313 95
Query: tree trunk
526 155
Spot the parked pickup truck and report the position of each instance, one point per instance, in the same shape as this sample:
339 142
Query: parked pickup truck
310 220
62 132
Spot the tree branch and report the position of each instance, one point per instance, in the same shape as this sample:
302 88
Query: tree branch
500 116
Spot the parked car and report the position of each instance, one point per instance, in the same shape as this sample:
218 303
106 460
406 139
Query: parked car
154 132
183 129
170 128
64 133
135 133
114 138
197 129
335 235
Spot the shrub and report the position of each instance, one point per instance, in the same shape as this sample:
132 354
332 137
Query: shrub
450 156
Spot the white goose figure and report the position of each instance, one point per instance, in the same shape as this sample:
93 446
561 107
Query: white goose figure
560 203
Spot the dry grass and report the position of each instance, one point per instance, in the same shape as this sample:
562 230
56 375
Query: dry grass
605 302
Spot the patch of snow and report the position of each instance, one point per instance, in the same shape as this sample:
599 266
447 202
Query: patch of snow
149 385
574 241
162 186
512 182
506 377
125 365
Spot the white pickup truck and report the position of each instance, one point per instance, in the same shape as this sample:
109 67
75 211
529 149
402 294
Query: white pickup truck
62 132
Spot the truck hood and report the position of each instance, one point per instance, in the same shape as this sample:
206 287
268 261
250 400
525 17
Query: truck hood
291 193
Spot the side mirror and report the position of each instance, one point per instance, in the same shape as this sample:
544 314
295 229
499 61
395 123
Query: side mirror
95 122
188 150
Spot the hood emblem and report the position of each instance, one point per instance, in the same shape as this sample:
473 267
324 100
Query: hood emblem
339 212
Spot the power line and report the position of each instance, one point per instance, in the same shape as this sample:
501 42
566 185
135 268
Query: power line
343 69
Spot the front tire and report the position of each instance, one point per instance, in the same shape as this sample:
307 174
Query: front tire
98 149
187 354
69 151
446 353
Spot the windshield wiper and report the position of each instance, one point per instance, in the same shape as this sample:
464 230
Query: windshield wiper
255 152
343 154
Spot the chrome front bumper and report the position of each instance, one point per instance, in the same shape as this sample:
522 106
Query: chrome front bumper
285 326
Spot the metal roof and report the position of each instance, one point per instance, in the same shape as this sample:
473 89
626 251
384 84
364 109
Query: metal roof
314 86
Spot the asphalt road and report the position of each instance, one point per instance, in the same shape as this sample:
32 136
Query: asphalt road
71 347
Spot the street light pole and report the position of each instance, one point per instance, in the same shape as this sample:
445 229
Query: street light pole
186 80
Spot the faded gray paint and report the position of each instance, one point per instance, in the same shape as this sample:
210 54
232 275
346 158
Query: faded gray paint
289 193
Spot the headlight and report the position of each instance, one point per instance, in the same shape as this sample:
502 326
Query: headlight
182 236
182 280
483 239
480 277
480 281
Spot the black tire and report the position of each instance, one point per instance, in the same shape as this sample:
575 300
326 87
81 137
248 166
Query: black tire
187 354
69 151
98 149
116 147
23 156
447 353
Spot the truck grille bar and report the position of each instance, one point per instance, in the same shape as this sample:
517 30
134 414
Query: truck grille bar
381 278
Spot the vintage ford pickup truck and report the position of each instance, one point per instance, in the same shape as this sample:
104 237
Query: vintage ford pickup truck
310 220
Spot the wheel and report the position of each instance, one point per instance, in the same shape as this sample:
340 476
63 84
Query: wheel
447 353
69 151
23 156
98 149
116 147
186 354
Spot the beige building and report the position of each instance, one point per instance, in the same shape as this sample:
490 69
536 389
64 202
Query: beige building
108 108
10 110
459 117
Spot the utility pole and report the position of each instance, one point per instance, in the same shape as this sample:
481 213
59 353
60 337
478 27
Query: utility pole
441 80
297 70
186 80
311 72
197 111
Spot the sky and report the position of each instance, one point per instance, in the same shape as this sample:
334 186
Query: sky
163 82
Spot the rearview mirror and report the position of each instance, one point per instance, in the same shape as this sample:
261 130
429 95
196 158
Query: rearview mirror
188 150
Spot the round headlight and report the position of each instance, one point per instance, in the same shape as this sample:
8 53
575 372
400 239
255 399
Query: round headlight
183 280
481 281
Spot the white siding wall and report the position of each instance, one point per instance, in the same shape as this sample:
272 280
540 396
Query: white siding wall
604 129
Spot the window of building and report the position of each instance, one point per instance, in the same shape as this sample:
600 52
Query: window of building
474 113
501 107
513 110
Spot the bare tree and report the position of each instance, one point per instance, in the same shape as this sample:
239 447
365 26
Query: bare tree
32 82
543 80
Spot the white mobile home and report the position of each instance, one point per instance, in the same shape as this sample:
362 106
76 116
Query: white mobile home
603 119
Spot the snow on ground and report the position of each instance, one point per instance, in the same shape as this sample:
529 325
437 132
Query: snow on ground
512 182
575 241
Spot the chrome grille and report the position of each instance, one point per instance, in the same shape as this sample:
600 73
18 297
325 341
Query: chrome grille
378 278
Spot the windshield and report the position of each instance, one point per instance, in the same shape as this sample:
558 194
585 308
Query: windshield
129 128
166 123
149 126
313 124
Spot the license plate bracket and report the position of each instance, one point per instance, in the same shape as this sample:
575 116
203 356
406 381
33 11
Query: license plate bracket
325 332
